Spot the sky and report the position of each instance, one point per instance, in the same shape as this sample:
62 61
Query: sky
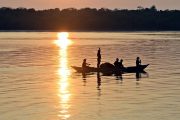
120 4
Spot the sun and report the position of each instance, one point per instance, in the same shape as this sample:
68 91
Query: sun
63 40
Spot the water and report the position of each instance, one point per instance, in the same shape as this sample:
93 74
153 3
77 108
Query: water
37 82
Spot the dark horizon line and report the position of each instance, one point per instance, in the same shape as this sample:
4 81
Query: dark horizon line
89 30
138 8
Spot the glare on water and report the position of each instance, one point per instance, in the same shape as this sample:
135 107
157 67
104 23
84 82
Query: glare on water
37 82
63 42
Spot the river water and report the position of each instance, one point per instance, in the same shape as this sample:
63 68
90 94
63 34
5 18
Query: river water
38 83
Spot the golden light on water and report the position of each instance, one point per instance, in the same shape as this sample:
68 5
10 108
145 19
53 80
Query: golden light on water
63 72
63 40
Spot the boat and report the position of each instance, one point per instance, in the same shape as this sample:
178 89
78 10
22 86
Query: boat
135 69
111 69
86 70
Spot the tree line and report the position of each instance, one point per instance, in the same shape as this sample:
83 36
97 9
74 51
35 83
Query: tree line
89 19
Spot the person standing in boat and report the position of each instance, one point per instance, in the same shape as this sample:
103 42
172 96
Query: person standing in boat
138 62
98 58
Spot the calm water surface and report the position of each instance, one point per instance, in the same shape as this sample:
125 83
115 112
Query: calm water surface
37 82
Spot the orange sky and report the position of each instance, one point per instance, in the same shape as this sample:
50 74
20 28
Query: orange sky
130 4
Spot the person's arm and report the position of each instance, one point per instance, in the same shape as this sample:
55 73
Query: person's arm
88 64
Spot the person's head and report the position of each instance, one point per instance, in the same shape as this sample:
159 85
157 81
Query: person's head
99 49
137 58
121 60
84 60
117 59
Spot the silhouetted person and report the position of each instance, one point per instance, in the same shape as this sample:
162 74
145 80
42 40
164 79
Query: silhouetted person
138 62
121 64
84 65
116 63
98 58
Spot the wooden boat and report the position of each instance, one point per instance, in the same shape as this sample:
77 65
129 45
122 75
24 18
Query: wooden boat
131 69
135 69
87 69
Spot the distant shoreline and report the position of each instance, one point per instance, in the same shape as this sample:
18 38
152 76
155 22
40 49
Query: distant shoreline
89 31
89 19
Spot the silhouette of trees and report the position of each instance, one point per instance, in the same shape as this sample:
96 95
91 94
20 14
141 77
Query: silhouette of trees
89 19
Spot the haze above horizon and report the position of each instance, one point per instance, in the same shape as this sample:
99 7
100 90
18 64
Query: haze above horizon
120 4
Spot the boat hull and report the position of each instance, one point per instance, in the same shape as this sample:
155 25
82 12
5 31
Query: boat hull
87 69
132 69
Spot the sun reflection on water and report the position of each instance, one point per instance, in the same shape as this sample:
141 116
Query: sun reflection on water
63 40
63 72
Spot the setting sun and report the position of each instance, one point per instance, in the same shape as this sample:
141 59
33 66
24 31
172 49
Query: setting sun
63 40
